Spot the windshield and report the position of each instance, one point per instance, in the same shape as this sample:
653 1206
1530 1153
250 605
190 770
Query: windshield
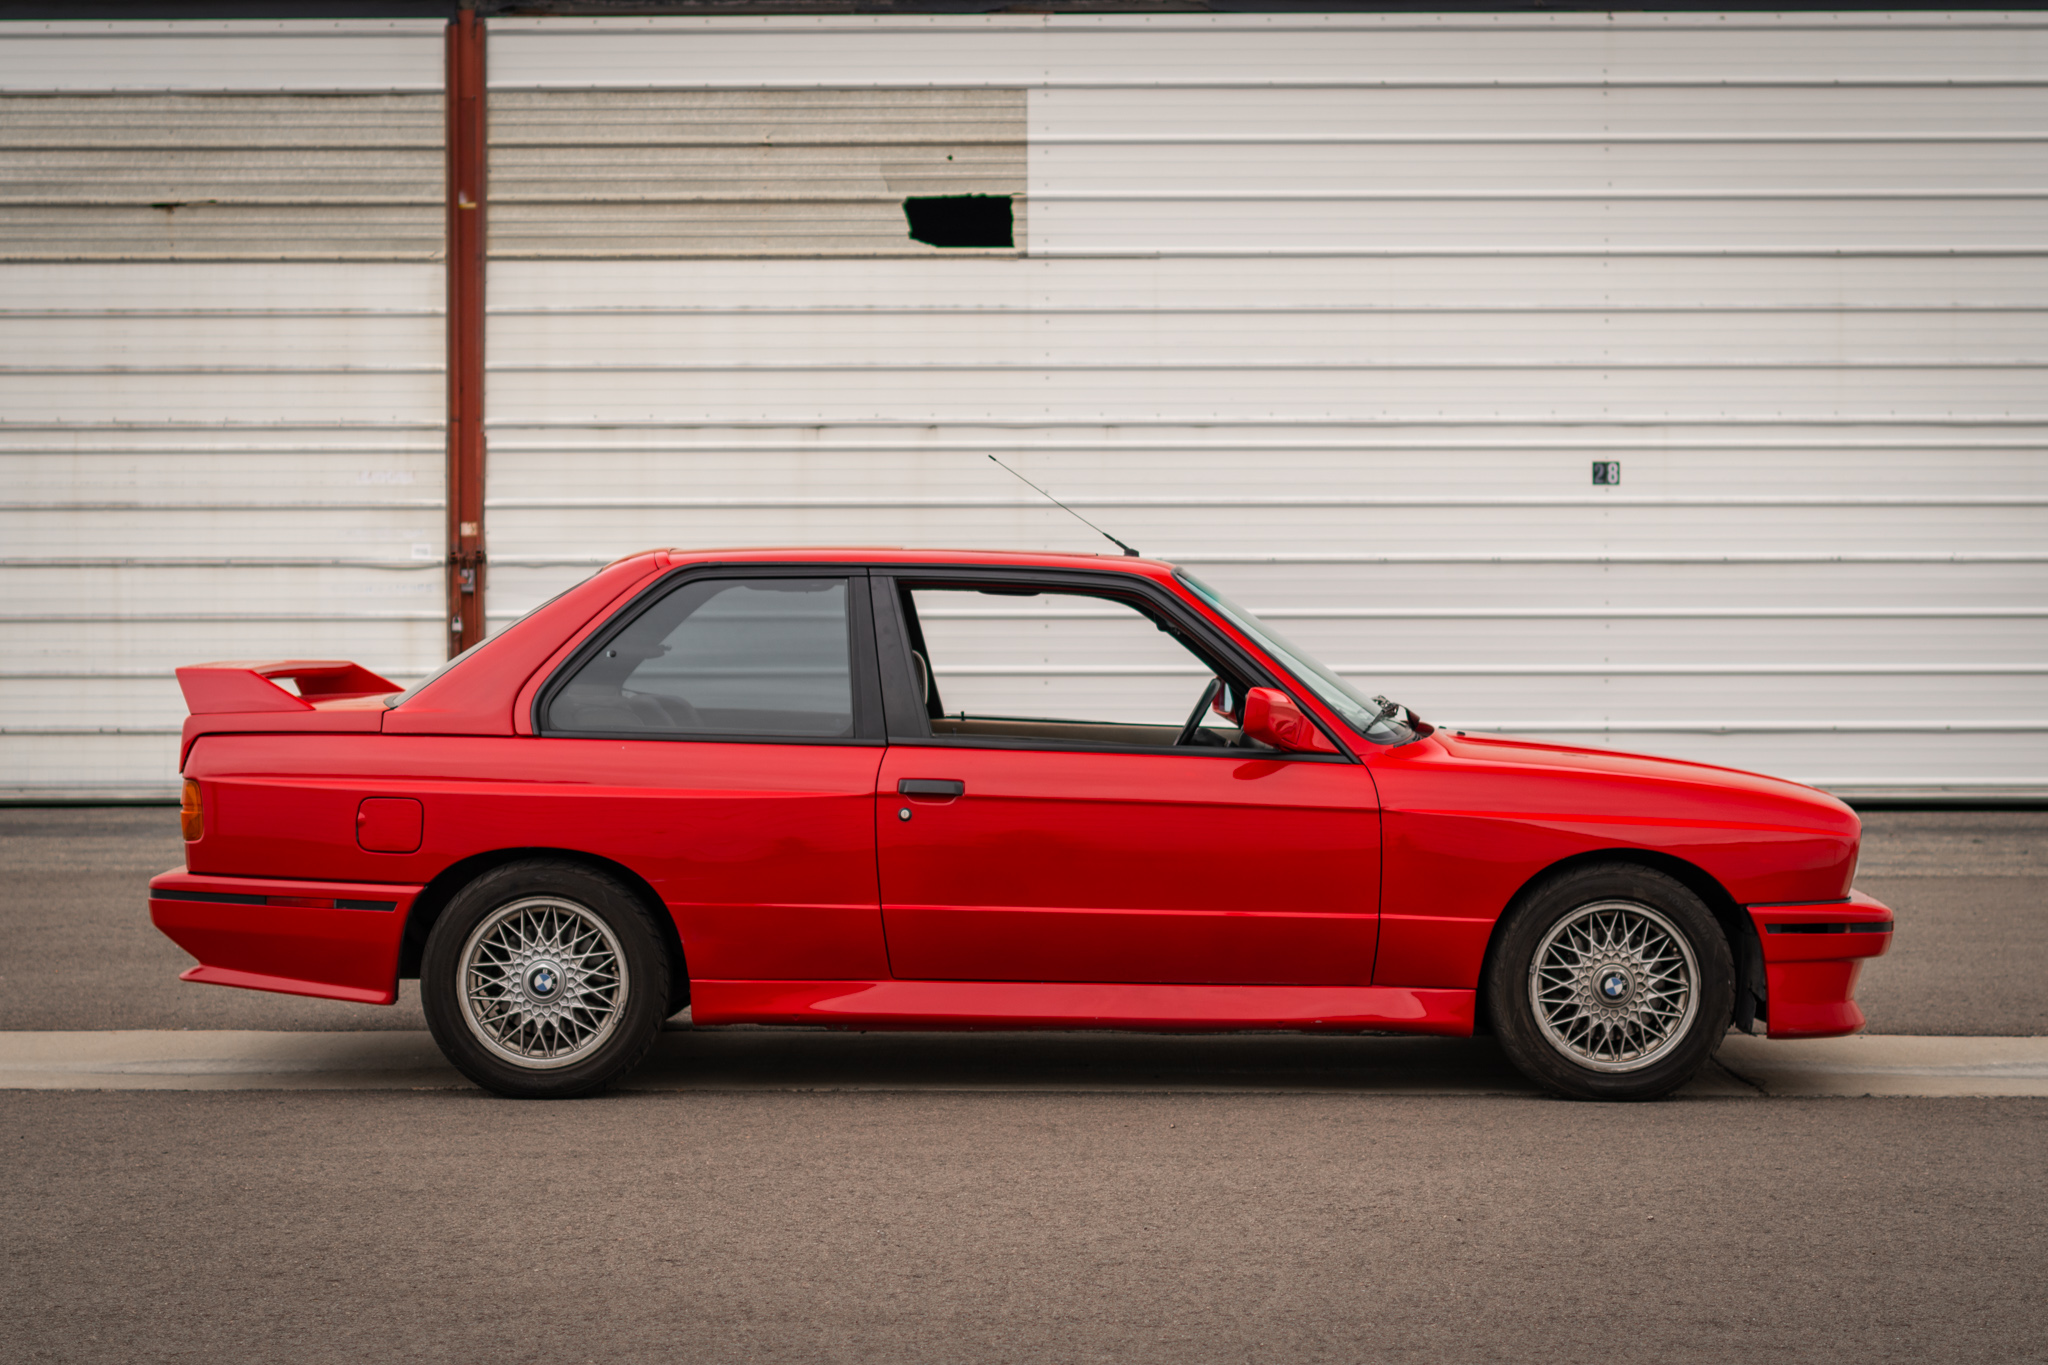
1377 719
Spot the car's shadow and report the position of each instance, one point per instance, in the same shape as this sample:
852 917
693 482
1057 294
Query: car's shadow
757 1058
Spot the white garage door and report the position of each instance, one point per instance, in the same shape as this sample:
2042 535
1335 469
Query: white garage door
1340 312
221 385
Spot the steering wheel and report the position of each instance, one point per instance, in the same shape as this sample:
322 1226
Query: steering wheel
1188 731
677 712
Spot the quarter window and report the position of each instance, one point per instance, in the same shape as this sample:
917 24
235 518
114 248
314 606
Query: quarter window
722 657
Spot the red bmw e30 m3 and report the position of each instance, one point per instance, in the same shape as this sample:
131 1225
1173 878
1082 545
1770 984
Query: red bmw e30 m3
775 786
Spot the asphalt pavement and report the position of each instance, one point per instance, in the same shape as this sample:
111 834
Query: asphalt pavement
895 1227
811 1197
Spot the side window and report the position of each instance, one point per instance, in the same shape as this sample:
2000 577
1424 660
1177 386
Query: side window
1061 666
722 656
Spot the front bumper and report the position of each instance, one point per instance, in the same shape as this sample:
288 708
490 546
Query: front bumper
338 940
1813 953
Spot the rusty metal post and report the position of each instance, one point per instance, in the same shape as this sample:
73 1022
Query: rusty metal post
466 166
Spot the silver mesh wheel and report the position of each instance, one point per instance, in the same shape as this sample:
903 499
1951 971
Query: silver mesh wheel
542 982
1614 986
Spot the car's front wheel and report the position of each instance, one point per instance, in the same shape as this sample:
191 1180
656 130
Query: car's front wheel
1611 982
544 979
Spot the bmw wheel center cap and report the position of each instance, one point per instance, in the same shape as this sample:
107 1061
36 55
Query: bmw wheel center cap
544 981
1613 986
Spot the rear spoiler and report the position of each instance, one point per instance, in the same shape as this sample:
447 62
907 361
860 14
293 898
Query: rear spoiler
222 688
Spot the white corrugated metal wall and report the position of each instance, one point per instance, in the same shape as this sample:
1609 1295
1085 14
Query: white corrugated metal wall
221 372
1335 309
1339 311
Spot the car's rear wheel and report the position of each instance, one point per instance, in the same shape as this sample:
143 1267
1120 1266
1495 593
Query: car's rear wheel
543 979
1611 982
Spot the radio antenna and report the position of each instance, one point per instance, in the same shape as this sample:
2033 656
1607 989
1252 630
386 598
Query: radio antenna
1064 508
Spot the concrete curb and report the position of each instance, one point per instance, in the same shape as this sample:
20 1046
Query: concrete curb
811 1060
1881 1064
223 1059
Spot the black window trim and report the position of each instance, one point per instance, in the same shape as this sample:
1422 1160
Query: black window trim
868 729
903 712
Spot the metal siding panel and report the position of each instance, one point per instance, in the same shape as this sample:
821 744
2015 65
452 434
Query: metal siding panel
111 762
167 177
205 231
1245 336
1900 592
1180 533
741 172
146 400
205 397
205 289
1259 51
703 469
231 340
1517 224
1793 170
285 588
1158 287
146 531
370 475
237 55
942 391
203 460
1784 268
1734 113
48 659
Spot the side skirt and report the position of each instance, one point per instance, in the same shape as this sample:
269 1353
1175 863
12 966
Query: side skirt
942 1005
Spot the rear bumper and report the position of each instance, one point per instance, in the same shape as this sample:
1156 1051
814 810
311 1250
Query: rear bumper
1813 954
338 940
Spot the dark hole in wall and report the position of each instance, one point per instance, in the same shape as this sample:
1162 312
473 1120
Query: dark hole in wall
960 219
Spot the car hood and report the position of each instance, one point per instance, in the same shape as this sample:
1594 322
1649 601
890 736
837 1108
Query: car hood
1519 752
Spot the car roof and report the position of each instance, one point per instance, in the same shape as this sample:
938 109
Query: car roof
896 554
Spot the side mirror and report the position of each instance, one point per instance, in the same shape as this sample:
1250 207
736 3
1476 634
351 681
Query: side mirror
1271 717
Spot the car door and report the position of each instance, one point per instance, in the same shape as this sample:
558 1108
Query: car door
1036 820
722 738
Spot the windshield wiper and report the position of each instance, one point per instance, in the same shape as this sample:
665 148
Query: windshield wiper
1401 723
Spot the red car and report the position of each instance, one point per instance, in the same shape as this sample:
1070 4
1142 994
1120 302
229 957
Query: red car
929 790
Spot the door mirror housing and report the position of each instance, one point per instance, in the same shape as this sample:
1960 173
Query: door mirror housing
1271 717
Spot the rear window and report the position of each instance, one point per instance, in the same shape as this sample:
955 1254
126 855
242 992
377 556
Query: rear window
722 658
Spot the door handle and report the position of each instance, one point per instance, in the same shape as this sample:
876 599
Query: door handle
930 786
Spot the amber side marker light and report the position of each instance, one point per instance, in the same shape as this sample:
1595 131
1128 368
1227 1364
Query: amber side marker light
190 818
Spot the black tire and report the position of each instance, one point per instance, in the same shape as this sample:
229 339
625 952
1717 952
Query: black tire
1671 993
568 980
